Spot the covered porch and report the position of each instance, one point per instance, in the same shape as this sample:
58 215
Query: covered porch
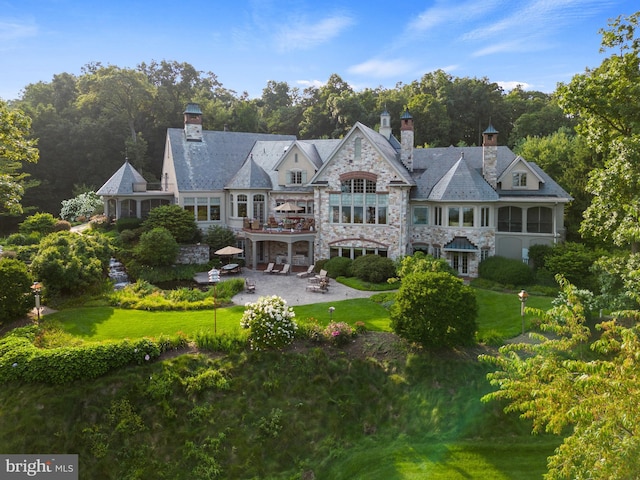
294 248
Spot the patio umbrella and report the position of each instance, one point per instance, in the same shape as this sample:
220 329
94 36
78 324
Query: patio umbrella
288 207
228 251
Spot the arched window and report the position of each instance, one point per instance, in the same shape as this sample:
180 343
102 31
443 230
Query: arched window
259 208
241 206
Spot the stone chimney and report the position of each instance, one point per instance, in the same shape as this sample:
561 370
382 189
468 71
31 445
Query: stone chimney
490 156
385 124
406 140
193 123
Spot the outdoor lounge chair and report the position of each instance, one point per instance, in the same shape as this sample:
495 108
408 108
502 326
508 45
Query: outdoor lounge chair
285 269
317 288
322 275
269 268
308 273
250 285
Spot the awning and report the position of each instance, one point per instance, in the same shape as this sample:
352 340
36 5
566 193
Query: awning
460 244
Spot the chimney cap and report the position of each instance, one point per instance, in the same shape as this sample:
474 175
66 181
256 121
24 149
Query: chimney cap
406 115
490 129
193 108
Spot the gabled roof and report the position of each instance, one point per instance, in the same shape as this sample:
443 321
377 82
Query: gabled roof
251 177
121 182
431 165
386 150
310 149
517 160
462 184
213 162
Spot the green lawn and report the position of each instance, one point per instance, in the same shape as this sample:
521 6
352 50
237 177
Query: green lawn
498 312
108 323
274 415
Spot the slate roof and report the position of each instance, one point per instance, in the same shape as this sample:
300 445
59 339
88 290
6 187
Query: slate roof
251 176
212 163
389 151
439 175
462 183
121 182
242 160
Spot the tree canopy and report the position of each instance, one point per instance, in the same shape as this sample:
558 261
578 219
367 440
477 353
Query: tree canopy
15 148
604 100
563 388
87 124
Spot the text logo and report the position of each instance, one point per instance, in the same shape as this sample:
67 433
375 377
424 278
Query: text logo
46 467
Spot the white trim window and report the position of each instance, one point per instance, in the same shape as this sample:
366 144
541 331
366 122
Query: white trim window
296 177
420 215
519 179
204 209
358 203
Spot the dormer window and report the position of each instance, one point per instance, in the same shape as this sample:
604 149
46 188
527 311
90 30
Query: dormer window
296 177
519 179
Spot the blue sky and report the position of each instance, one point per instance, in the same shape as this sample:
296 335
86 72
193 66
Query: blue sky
246 43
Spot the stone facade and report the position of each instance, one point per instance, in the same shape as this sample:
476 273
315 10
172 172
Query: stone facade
390 237
357 195
193 254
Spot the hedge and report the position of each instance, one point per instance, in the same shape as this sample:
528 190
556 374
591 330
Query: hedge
20 360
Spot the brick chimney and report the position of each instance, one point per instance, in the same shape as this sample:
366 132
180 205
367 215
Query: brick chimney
490 156
193 123
406 140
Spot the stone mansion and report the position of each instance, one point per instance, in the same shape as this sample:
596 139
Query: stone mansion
297 201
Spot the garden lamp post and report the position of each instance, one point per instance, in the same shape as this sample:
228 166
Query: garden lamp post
214 277
36 288
331 310
523 295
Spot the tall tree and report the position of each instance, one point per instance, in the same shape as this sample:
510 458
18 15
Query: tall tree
605 101
568 160
120 94
593 401
281 109
15 148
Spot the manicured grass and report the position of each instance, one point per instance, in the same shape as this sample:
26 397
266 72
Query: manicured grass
108 323
500 312
411 459
374 315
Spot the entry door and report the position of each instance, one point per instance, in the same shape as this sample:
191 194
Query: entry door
460 262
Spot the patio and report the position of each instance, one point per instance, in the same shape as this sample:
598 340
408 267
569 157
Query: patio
290 287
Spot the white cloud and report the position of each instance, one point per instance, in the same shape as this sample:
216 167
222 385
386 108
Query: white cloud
533 19
511 85
382 68
443 13
297 34
15 30
310 83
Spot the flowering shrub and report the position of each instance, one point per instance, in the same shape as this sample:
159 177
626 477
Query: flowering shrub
80 207
338 333
311 330
271 323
